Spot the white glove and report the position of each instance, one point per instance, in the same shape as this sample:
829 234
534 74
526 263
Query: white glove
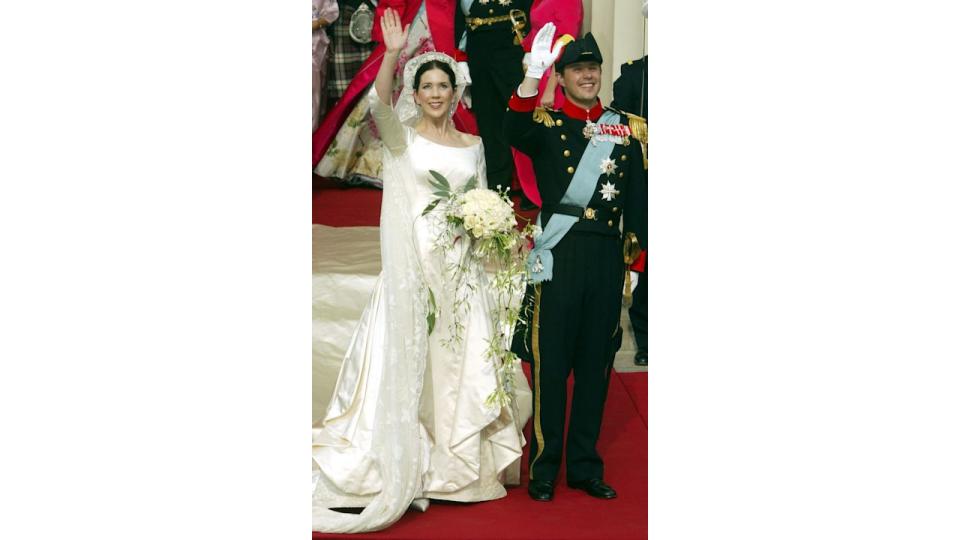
541 56
634 280
465 73
465 97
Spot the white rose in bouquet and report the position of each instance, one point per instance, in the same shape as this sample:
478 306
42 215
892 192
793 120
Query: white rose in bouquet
489 219
486 214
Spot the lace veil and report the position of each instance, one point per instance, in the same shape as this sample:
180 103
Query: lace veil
396 434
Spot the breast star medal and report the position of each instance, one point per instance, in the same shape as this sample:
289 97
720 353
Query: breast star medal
608 166
609 191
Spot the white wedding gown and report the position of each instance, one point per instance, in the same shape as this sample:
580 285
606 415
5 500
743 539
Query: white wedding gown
408 418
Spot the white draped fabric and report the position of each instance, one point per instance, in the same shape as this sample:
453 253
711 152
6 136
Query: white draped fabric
407 418
346 266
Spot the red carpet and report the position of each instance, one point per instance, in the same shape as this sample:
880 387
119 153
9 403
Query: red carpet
572 514
337 206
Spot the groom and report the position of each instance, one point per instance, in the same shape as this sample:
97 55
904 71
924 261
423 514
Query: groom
590 172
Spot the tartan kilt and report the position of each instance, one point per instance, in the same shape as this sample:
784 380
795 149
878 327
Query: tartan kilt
346 55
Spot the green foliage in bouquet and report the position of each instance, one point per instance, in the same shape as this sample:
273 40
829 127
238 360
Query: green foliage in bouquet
487 217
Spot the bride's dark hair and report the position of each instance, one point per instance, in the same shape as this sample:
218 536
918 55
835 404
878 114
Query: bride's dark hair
434 64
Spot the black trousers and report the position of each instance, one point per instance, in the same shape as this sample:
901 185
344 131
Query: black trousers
496 70
638 313
575 328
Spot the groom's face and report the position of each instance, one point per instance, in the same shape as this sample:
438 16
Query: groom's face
435 93
581 82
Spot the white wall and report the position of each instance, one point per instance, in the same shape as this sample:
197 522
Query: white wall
621 32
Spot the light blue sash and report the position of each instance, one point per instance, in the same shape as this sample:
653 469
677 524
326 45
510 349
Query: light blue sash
579 193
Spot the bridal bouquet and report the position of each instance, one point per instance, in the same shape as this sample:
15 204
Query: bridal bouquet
487 216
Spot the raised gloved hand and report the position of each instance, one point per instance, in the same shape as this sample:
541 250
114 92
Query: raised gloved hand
465 98
464 70
541 54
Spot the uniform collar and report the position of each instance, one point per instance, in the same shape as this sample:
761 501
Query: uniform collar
579 113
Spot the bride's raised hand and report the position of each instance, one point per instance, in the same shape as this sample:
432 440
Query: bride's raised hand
394 36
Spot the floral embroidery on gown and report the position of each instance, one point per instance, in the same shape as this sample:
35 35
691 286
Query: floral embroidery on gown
408 418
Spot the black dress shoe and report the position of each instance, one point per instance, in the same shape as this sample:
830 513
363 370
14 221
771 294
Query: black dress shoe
541 490
595 488
640 359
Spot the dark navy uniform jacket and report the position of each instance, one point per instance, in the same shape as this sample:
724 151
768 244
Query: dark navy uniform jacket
554 140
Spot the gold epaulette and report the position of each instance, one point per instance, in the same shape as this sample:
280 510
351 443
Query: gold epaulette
541 116
638 128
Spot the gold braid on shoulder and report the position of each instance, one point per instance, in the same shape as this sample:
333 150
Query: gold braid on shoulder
541 116
638 128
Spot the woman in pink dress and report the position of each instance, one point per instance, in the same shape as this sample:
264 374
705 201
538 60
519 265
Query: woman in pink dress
567 16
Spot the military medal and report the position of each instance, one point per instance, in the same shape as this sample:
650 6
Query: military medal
615 133
608 191
589 130
608 166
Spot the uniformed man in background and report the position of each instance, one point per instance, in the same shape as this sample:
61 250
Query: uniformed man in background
494 30
589 168
630 96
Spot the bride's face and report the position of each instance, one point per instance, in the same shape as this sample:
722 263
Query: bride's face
435 93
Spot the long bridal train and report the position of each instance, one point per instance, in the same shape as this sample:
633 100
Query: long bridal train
409 417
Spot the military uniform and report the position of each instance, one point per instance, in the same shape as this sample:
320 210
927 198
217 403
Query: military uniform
494 56
630 95
575 314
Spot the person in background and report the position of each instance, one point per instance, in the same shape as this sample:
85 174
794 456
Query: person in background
324 13
630 95
493 31
347 145
347 54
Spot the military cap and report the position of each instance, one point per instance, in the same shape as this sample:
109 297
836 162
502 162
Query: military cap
584 49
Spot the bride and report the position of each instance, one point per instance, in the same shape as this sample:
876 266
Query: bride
409 418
